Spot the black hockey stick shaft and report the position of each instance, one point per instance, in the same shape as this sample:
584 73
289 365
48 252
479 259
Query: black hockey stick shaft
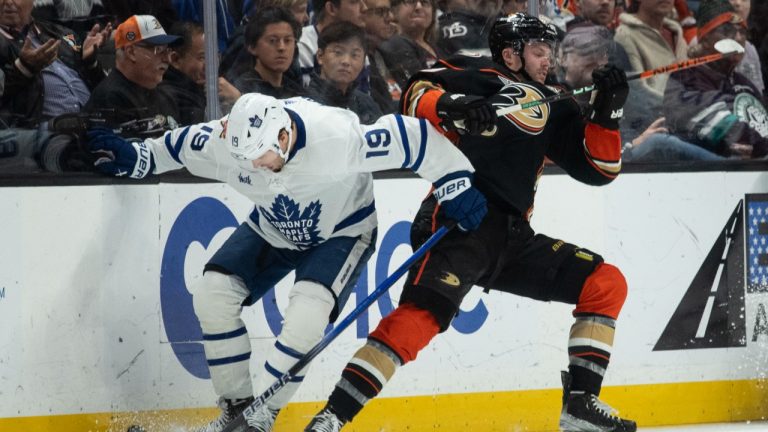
239 424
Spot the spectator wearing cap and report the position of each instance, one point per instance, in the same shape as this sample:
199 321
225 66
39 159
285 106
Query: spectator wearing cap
185 78
714 105
651 39
326 13
131 92
49 71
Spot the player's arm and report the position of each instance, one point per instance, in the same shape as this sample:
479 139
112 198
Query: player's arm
591 153
188 146
402 142
449 112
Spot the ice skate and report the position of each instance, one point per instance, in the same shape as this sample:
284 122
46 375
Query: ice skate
229 410
262 420
325 421
584 412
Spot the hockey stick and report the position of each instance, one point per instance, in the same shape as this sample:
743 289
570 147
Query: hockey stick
239 424
725 48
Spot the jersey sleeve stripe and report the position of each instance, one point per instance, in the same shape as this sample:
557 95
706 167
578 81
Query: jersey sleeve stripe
406 145
175 149
422 145
356 217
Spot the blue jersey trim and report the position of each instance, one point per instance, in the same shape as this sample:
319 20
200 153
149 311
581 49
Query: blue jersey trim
404 136
301 134
228 335
175 149
356 217
254 216
422 145
229 360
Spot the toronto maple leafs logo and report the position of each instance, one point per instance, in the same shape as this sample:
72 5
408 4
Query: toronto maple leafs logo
255 121
299 227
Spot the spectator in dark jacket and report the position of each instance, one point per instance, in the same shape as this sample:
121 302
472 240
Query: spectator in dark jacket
185 78
341 55
713 105
131 92
270 38
48 70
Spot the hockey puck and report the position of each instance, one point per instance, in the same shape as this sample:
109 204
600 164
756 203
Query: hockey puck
136 428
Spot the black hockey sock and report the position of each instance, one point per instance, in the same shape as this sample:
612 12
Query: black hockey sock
589 351
362 379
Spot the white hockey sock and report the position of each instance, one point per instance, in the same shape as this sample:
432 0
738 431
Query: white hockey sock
310 305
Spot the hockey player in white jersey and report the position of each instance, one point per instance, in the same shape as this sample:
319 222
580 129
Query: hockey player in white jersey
307 168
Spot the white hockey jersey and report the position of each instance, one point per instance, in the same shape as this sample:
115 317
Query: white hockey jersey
326 188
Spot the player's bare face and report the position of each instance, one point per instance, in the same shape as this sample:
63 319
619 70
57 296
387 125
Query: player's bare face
274 49
538 60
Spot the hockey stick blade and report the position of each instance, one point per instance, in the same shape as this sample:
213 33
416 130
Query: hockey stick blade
239 423
725 48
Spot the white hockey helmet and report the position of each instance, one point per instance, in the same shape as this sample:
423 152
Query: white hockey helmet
254 125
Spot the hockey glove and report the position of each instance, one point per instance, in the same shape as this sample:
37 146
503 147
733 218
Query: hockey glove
460 201
465 114
611 90
120 157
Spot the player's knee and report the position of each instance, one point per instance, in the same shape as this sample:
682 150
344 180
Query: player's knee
604 292
406 331
217 296
310 305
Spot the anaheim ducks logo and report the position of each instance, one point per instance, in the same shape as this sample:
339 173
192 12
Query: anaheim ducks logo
530 120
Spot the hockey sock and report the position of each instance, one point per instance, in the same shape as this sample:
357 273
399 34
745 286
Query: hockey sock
396 341
591 337
310 304
589 351
362 379
217 301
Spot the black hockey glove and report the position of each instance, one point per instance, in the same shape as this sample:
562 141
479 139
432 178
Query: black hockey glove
465 114
611 90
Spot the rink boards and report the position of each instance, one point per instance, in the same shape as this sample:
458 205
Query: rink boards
98 330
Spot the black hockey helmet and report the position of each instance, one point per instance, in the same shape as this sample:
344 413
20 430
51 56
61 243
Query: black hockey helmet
515 31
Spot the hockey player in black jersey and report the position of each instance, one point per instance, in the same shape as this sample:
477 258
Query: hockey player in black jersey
504 253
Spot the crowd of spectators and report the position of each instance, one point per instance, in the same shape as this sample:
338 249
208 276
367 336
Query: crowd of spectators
139 65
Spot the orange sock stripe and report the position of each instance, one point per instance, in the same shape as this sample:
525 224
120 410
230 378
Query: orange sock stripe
585 354
378 390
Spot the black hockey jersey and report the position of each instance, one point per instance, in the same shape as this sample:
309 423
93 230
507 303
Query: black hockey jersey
508 163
